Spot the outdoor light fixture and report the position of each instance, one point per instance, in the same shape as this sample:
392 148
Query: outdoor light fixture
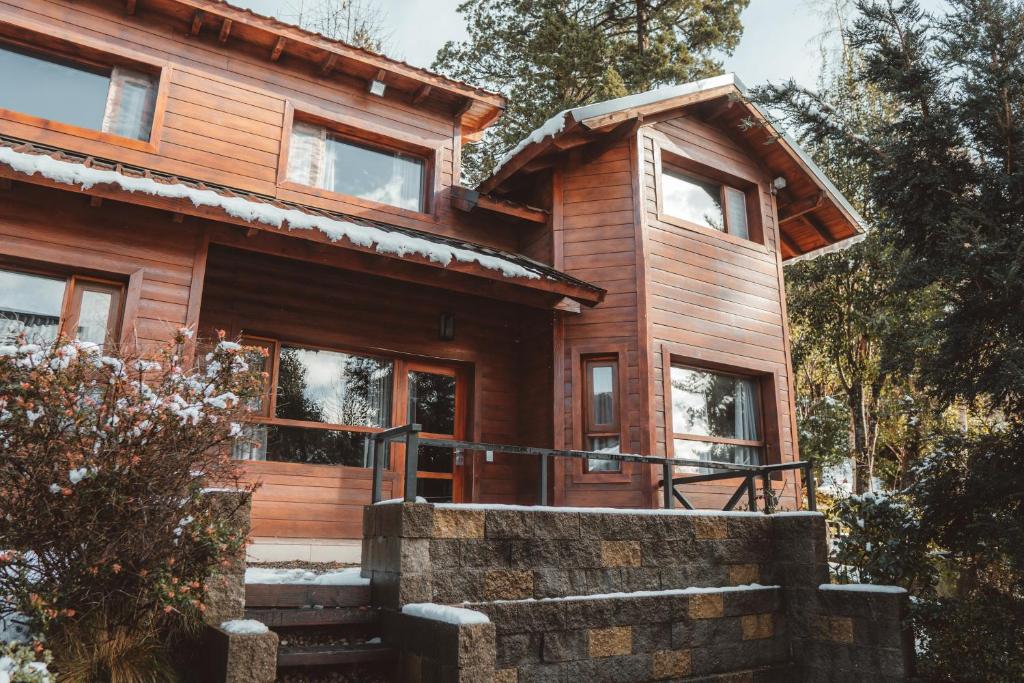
377 87
446 327
779 183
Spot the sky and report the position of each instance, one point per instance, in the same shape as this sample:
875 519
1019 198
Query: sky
781 38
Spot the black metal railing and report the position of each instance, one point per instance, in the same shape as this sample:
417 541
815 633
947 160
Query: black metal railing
750 474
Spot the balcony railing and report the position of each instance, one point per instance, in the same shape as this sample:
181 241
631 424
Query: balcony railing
750 474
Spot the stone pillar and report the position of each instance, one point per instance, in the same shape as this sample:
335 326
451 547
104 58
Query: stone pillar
225 596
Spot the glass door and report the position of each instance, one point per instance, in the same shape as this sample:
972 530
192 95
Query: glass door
434 397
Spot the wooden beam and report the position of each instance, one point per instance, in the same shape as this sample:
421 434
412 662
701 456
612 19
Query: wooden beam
5 184
328 65
381 75
197 22
95 201
818 228
790 244
795 209
225 30
129 6
178 217
421 93
568 305
466 199
275 54
718 108
621 132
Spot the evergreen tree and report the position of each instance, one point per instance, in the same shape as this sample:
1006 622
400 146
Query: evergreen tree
549 55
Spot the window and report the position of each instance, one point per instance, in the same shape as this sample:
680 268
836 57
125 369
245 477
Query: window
320 158
326 404
704 202
113 99
602 431
715 416
38 308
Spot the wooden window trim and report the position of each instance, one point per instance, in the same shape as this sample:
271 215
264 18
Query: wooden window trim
675 159
70 307
104 58
373 136
580 354
767 397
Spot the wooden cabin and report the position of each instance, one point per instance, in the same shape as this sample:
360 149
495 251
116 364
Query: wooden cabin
615 285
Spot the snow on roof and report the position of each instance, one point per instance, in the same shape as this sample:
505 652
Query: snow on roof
343 577
557 123
445 613
396 243
862 588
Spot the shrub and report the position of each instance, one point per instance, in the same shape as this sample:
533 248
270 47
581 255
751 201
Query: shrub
106 531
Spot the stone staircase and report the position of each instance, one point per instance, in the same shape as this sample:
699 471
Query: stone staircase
326 632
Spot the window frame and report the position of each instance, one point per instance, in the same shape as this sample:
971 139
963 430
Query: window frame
71 300
768 382
94 57
365 134
668 157
581 357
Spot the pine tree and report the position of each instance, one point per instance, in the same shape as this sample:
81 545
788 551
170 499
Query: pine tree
549 55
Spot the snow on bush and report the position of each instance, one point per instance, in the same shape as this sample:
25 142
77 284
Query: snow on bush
19 664
106 530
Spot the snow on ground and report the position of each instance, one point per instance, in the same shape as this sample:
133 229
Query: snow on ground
693 590
342 577
445 613
244 627
384 241
13 630
862 588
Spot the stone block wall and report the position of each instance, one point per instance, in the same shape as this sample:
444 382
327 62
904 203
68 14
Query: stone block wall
424 553
433 651
663 637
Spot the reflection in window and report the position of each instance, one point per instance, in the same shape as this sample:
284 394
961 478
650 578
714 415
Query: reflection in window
602 413
30 305
705 203
435 459
98 307
723 409
321 159
114 100
333 388
432 402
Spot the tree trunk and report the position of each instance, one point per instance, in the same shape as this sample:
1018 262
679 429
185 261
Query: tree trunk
861 472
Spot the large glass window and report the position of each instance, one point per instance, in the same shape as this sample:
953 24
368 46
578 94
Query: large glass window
320 158
32 308
115 100
433 404
601 412
715 416
704 202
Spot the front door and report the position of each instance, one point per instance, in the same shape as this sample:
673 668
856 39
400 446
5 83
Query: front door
436 402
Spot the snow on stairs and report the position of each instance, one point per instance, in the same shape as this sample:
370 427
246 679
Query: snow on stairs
324 629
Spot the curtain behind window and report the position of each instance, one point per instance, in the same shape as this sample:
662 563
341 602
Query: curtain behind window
746 420
306 155
130 104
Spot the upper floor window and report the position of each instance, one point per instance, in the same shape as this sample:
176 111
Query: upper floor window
705 202
38 308
322 158
112 99
716 416
602 431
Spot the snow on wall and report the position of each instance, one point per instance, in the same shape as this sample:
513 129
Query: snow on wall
693 590
385 242
862 588
445 613
244 627
606 511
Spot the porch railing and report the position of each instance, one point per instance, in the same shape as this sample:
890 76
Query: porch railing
750 474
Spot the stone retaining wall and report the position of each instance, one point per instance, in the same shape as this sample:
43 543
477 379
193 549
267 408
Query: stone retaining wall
433 651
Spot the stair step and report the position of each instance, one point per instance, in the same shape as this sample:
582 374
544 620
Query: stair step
305 595
307 616
320 655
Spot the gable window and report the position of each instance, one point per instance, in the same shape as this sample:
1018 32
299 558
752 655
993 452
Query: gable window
602 430
704 202
716 416
324 159
112 99
38 308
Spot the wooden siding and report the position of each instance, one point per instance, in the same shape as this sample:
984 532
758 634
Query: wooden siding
713 300
269 296
228 108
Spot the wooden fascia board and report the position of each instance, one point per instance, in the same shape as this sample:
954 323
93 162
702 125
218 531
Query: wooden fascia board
526 155
466 199
184 207
295 34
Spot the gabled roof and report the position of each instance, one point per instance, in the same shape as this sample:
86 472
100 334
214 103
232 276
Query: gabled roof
825 215
50 166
